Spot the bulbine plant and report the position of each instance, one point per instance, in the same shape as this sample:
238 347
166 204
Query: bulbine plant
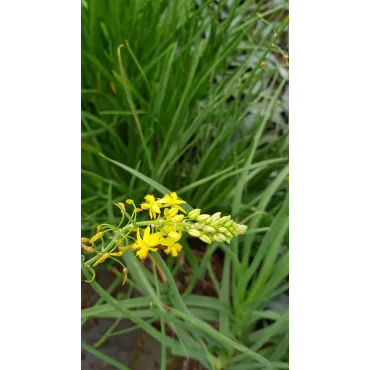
168 220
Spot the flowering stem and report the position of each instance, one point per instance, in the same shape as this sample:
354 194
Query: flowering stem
115 239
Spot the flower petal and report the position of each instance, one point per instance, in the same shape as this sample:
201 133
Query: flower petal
146 234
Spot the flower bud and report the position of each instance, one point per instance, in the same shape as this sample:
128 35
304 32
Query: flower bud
202 218
84 240
241 229
205 238
224 219
129 201
172 212
209 229
216 216
228 223
221 236
194 213
174 235
122 206
177 218
216 238
222 230
194 232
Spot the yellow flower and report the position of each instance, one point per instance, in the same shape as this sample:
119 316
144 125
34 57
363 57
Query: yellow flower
129 201
147 243
172 246
105 256
171 200
152 205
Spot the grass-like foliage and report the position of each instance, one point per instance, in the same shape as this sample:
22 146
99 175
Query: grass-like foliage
192 97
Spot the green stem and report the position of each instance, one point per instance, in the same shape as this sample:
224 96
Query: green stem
115 239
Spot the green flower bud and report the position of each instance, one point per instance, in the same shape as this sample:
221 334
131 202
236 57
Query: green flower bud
177 218
194 213
216 238
172 212
202 218
228 234
209 229
216 216
224 219
241 229
174 235
205 238
228 223
194 232
222 230
221 236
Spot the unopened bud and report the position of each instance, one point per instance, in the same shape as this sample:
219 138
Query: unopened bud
216 216
205 238
216 238
194 213
177 218
224 219
84 240
174 235
209 229
202 218
122 206
241 229
194 232
129 201
228 223
172 212
221 236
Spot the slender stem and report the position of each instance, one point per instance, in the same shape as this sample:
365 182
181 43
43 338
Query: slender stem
115 239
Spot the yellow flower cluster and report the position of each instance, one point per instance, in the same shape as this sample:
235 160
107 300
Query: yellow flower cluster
154 206
163 231
170 230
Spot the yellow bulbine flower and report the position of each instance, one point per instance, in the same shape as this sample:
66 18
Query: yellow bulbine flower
171 200
96 237
171 243
146 243
105 256
172 246
152 205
